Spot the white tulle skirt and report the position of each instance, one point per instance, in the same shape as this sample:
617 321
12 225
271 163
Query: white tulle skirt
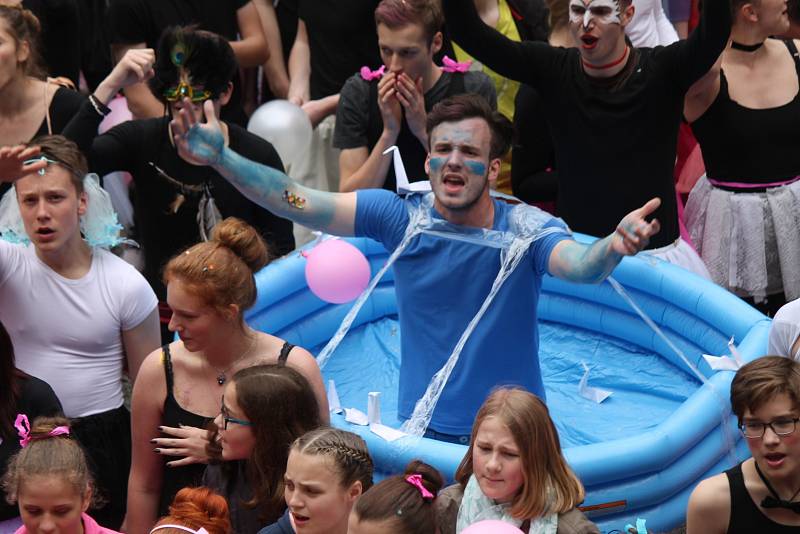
750 242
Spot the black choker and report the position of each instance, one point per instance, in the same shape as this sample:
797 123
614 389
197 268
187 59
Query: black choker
773 500
746 48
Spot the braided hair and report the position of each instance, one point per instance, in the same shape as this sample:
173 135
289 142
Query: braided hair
347 452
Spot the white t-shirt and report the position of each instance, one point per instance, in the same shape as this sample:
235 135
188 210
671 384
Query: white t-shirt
650 26
785 330
69 332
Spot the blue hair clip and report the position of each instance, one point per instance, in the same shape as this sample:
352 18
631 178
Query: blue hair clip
43 170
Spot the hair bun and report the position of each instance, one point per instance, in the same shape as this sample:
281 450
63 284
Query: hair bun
431 478
199 507
42 426
243 240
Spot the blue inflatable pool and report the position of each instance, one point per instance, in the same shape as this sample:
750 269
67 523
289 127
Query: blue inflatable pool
641 452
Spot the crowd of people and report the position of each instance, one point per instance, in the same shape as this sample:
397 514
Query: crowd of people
578 108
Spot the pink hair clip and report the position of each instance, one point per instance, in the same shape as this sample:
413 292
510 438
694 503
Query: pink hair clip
416 481
451 65
369 75
23 427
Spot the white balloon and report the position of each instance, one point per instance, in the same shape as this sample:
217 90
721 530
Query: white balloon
284 125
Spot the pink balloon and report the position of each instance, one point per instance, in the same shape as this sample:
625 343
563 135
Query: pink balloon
491 526
336 271
119 114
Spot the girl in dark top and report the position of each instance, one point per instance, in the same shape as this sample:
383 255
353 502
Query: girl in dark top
30 103
20 393
402 504
327 471
761 493
264 409
745 114
613 110
179 388
171 197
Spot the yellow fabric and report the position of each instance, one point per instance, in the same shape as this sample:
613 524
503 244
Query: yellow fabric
506 89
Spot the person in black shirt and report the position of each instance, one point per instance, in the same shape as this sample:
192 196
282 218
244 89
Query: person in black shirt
139 23
376 112
170 193
21 393
613 110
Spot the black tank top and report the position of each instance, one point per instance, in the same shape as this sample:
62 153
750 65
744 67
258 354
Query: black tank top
176 478
746 517
754 146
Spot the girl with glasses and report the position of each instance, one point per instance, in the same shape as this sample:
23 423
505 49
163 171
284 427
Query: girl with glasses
761 493
264 409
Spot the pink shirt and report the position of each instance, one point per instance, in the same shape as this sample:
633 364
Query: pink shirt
90 526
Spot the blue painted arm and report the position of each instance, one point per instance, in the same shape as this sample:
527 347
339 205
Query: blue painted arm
577 262
204 144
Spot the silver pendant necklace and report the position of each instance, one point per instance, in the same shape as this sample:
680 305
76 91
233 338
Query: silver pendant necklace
222 373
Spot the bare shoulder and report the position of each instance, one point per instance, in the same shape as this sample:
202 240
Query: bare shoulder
709 506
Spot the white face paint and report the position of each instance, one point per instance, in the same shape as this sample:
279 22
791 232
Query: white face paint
601 11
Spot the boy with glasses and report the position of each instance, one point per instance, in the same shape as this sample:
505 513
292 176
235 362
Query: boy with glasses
761 493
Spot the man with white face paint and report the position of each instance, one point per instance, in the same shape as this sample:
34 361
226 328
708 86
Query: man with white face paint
613 109
441 282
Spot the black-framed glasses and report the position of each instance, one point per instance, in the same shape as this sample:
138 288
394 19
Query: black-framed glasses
780 427
226 418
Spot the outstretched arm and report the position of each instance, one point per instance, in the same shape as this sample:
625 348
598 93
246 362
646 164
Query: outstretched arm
203 144
577 262
518 61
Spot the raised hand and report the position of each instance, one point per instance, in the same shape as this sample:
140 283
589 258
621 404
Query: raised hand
198 144
412 97
634 232
389 105
12 162
135 66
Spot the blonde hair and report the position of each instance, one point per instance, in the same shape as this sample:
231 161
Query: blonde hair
47 455
347 451
549 485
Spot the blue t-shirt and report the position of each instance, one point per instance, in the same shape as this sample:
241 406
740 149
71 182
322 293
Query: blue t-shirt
440 285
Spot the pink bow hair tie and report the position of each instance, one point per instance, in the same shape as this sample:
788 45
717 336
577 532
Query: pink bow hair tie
369 75
451 65
23 427
416 481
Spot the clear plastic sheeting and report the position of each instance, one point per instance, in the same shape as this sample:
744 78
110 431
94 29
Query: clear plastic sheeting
647 388
526 225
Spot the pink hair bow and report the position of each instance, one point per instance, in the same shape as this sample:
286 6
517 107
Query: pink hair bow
369 75
23 427
416 481
451 65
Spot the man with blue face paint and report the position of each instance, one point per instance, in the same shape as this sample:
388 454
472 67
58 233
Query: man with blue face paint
441 282
613 109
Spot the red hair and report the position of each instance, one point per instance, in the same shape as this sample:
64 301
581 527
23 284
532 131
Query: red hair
197 508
